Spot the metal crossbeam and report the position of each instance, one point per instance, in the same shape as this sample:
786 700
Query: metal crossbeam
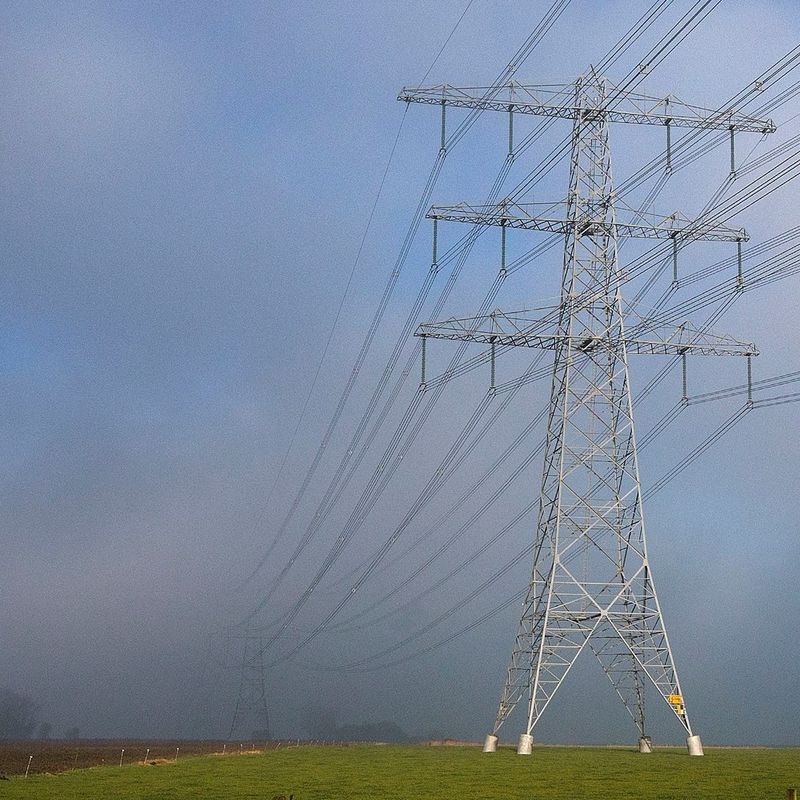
519 330
592 221
615 106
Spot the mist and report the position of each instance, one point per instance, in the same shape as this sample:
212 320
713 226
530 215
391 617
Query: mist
185 194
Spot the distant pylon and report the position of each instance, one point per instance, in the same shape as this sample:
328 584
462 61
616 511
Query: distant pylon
251 702
591 582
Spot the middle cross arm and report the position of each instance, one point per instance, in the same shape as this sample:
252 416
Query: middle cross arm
591 221
516 329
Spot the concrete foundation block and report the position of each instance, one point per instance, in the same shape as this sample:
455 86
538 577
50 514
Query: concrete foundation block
695 746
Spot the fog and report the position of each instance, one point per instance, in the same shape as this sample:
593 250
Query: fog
185 191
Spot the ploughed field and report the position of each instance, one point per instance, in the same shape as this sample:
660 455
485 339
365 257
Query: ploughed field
393 772
59 756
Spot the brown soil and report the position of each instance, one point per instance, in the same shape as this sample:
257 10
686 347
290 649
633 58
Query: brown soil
59 756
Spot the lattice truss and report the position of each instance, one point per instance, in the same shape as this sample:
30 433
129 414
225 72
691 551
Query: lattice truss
591 583
251 701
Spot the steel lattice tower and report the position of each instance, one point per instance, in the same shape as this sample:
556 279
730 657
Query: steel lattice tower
591 583
251 700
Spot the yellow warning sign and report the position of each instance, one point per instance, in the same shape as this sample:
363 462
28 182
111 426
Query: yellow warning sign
675 699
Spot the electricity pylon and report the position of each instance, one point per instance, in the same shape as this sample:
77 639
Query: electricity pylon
251 701
591 582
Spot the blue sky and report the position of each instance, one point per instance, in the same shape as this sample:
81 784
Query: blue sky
185 190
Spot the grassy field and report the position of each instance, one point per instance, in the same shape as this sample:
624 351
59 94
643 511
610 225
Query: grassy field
438 773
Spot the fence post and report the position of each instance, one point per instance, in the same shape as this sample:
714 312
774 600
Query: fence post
791 793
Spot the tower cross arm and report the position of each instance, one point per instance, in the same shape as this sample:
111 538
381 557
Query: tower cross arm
517 329
590 220
558 101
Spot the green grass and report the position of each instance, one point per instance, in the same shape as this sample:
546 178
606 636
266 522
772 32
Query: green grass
434 773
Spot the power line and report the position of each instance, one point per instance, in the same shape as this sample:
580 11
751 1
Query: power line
590 428
704 6
357 516
528 47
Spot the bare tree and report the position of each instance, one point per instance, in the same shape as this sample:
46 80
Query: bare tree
19 715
